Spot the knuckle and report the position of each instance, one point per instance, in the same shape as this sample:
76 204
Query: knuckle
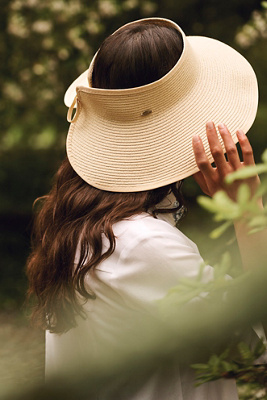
247 151
216 151
231 150
202 163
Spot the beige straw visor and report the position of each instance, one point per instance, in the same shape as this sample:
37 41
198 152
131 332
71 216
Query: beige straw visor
139 139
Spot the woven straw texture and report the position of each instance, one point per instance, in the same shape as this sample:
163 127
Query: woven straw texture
141 138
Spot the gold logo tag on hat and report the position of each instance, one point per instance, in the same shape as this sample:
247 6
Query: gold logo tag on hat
145 113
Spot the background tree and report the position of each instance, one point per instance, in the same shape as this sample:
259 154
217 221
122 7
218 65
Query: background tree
44 46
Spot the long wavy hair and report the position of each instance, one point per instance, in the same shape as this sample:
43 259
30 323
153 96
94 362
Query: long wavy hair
75 214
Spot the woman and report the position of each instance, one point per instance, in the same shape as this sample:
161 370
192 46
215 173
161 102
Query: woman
105 242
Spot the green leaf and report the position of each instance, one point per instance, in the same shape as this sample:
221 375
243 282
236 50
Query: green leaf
214 362
227 366
222 200
227 208
221 269
246 172
201 271
262 189
200 366
223 207
264 4
216 233
264 154
260 348
245 352
207 203
176 298
206 378
260 221
225 264
243 194
225 354
255 230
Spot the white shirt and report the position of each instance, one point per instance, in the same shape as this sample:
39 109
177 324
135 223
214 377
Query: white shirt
150 257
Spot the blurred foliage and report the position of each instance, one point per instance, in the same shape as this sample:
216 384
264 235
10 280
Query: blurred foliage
47 43
25 174
239 360
160 342
241 355
245 207
255 29
252 378
190 289
239 366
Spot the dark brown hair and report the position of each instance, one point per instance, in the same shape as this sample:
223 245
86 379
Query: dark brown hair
137 55
76 214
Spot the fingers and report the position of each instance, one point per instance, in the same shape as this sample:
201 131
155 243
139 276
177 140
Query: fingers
230 147
202 160
216 149
213 179
223 166
246 148
207 176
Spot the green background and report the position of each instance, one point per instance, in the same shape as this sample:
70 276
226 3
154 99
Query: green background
44 46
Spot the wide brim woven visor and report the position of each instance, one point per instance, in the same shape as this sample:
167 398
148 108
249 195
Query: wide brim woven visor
138 139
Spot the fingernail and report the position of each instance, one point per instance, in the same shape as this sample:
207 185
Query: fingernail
196 139
209 125
221 126
240 133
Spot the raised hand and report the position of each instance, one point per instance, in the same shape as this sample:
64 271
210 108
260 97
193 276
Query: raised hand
212 179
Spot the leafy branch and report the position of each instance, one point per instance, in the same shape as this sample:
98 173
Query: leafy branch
190 289
241 367
245 207
238 360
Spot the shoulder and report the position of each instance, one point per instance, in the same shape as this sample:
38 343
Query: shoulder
151 256
146 231
146 244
